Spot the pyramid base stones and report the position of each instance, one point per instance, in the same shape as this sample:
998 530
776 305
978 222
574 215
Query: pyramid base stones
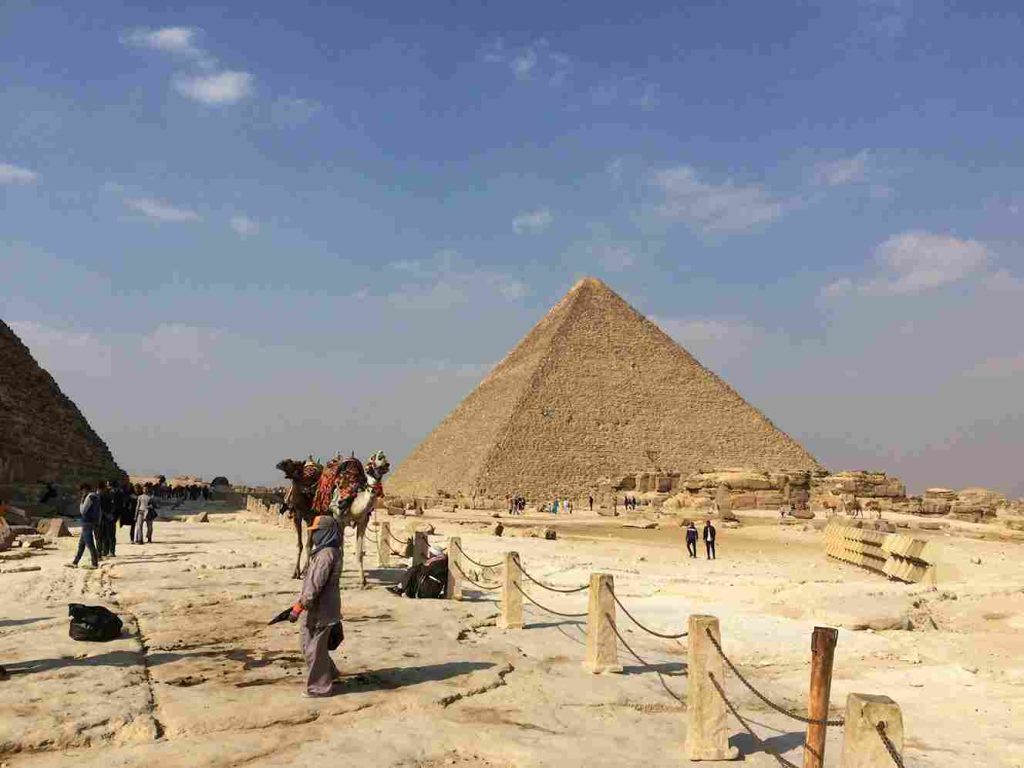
53 528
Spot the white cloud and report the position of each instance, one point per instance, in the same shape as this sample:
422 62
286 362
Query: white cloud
157 210
536 61
60 351
916 261
244 226
998 368
845 170
181 344
711 208
13 174
532 222
177 40
715 342
226 87
1004 281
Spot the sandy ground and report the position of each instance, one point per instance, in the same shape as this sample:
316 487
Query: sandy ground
199 679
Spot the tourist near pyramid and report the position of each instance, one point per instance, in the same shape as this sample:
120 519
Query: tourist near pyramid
43 435
594 391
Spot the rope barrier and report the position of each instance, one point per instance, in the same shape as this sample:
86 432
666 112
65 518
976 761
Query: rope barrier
781 710
474 562
746 726
889 746
478 586
395 538
645 629
661 675
545 608
550 588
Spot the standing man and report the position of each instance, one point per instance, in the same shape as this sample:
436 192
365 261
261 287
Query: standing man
691 539
321 602
142 509
709 539
590 500
106 543
89 508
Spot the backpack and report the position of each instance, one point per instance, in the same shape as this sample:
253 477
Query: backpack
93 623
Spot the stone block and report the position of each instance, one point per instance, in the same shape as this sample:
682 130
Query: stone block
862 745
602 651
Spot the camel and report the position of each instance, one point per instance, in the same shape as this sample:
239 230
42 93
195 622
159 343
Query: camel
353 511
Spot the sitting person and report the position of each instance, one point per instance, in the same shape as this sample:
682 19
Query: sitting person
429 579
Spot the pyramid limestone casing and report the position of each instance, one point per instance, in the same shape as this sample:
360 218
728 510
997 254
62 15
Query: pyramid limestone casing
595 390
43 435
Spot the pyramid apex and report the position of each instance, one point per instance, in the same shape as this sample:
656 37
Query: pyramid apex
590 282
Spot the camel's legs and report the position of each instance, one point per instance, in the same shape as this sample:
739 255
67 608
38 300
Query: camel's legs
297 573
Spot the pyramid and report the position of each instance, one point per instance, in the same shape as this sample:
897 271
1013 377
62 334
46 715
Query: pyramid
43 435
594 391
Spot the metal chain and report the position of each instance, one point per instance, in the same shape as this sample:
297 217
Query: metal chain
545 608
550 588
889 746
661 675
781 710
645 629
746 726
400 541
478 586
474 562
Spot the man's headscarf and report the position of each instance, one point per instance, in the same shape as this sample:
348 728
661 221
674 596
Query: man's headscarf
326 533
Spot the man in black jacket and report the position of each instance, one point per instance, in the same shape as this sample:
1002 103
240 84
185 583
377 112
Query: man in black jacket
90 511
105 534
709 539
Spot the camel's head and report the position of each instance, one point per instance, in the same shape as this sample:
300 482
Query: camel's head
292 468
378 465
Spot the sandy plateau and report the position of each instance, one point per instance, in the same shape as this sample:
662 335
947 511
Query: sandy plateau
198 679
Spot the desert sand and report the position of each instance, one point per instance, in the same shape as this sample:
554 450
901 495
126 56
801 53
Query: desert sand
199 679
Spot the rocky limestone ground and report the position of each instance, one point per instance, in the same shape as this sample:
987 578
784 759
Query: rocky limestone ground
198 679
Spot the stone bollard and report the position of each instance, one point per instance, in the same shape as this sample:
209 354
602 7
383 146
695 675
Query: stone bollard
454 588
862 745
707 735
511 597
602 642
384 544
420 548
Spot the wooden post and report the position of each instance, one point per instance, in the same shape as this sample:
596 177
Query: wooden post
511 597
862 746
420 548
823 649
384 544
454 588
602 643
707 735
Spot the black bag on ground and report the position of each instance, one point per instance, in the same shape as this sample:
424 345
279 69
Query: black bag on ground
93 623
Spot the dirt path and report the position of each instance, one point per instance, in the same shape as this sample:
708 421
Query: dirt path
200 680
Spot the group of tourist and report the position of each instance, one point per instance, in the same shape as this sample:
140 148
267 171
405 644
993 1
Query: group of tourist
628 502
106 506
516 505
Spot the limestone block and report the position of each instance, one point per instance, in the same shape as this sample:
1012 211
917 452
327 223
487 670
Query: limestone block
455 568
707 733
420 548
862 745
384 544
511 616
53 528
602 652
6 535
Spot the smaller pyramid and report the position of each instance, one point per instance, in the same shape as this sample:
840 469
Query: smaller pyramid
594 391
43 435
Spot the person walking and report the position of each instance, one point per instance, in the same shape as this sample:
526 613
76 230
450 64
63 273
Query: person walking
90 510
143 505
691 539
709 539
320 600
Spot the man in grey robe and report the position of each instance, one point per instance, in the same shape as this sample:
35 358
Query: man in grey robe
321 602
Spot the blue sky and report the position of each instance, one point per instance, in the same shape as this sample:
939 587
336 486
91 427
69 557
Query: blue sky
235 232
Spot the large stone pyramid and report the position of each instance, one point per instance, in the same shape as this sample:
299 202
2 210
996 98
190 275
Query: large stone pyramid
594 391
43 435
